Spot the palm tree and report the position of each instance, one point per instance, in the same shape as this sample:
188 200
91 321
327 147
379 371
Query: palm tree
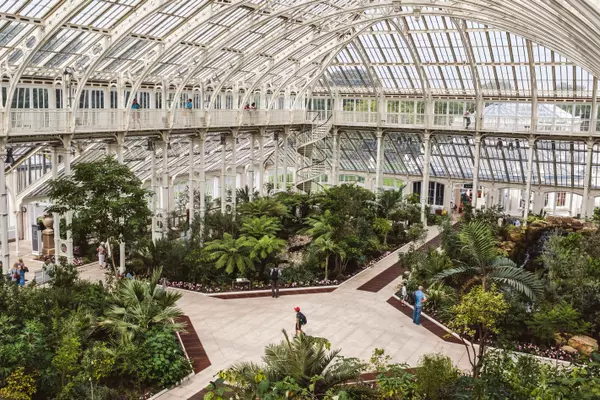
387 202
245 195
305 359
258 227
266 246
233 254
139 305
486 266
263 206
326 246
320 225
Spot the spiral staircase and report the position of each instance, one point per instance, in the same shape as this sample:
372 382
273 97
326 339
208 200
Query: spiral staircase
313 160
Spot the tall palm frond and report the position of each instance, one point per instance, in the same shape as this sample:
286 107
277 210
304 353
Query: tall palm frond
138 305
233 254
486 266
258 227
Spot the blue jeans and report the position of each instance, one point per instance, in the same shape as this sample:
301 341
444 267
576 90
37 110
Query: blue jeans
417 314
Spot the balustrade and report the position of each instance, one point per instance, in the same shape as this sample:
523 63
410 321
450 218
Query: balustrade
48 121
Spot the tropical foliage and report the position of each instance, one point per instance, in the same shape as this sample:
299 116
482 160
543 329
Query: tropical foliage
72 337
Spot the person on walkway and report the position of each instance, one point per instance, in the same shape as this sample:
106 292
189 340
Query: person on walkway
101 255
420 298
300 320
14 274
135 107
21 275
275 275
22 263
467 119
404 294
247 106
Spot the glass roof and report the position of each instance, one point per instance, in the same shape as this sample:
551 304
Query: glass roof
448 48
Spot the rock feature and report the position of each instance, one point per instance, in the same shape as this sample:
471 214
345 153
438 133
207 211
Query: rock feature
569 349
584 344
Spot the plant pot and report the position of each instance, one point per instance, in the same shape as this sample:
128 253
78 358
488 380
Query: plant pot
48 222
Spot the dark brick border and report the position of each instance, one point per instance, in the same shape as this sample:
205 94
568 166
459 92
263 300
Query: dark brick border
267 293
193 346
383 279
426 322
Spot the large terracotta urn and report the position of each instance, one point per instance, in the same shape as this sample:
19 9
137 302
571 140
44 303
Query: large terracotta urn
48 236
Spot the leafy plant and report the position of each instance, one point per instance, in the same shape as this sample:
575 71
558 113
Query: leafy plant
435 376
561 319
475 319
233 254
19 386
486 266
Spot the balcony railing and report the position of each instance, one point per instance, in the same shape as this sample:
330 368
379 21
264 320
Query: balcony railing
48 121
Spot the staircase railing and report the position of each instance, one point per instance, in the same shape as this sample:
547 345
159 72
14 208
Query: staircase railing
315 164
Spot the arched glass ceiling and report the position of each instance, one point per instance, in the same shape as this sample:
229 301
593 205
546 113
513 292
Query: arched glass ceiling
354 45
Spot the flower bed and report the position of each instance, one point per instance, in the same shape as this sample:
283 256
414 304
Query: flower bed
554 353
259 285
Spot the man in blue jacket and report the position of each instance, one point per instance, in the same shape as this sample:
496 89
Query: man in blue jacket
420 298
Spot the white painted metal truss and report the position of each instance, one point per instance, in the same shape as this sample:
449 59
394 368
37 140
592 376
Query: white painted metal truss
437 47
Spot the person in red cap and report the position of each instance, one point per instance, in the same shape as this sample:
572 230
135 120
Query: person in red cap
300 320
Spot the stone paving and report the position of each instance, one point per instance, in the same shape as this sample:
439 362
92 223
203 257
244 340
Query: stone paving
356 321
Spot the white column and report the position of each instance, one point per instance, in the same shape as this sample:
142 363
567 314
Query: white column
67 164
223 173
476 169
251 166
165 185
276 160
55 216
425 181
379 163
528 179
261 162
120 144
4 212
585 212
286 139
447 195
191 179
202 177
233 169
156 234
336 157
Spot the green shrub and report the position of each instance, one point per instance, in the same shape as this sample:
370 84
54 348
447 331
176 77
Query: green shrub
436 376
562 318
162 360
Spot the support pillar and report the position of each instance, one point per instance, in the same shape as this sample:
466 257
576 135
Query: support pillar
120 145
336 157
4 212
67 168
379 163
165 185
476 169
261 162
425 181
191 182
276 160
585 208
202 177
223 190
528 178
251 166
286 139
156 233
55 216
233 169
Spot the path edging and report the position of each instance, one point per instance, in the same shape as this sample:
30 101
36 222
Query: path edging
512 352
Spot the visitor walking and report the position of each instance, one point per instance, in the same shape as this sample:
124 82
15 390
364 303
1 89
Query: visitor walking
21 275
14 274
300 320
404 294
23 265
420 298
275 275
101 255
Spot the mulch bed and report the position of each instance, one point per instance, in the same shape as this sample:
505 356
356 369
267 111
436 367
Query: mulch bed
193 346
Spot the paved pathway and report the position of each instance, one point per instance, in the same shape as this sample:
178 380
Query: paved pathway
355 321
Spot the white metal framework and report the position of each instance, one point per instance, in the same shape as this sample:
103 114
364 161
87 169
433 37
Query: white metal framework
215 95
